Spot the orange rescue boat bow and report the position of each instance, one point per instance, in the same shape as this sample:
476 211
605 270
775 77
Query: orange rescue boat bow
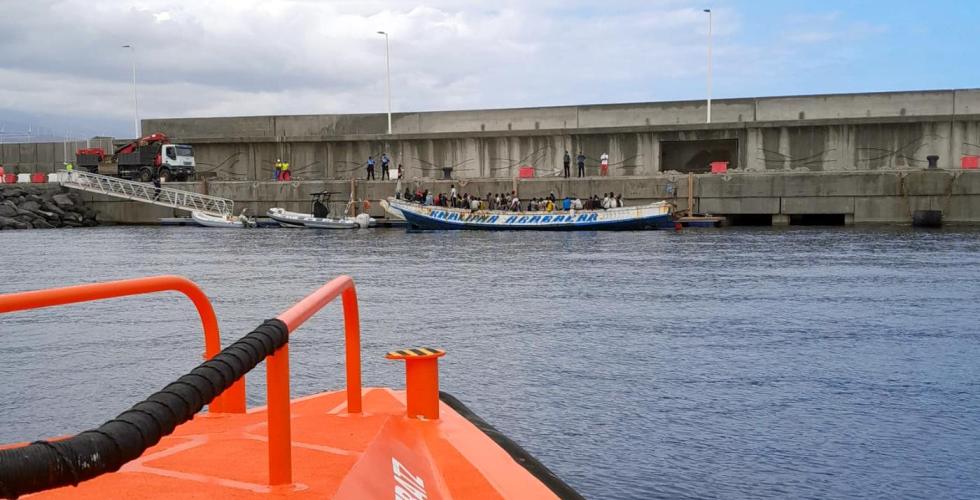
358 443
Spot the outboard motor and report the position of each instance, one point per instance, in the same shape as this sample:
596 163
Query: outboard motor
363 220
320 209
247 221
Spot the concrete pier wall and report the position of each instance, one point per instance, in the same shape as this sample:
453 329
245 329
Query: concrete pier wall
44 156
819 133
861 197
839 147
860 155
822 133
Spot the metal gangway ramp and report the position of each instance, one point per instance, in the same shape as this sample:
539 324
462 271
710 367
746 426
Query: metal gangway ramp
146 193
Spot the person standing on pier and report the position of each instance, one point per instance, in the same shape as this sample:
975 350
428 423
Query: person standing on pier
567 162
156 188
604 165
277 169
384 166
370 168
285 175
580 159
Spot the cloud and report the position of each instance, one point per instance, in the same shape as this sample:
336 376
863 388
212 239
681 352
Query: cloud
828 27
62 59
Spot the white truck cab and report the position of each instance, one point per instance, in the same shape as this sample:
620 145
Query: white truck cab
178 155
178 159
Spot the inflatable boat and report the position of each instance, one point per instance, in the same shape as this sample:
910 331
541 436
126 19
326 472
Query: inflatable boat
227 221
297 219
319 216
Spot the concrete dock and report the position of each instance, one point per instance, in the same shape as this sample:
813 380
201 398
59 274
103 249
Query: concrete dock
745 198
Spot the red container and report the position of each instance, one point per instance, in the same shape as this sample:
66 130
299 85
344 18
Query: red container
719 167
39 177
10 178
91 151
526 171
970 161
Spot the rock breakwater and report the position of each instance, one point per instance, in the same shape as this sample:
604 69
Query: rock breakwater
43 207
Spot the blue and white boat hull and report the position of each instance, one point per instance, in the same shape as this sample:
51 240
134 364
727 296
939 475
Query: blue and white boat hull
652 216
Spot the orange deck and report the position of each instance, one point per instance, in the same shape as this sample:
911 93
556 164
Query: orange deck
379 453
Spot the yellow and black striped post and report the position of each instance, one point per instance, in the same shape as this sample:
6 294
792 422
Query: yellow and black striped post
414 353
421 380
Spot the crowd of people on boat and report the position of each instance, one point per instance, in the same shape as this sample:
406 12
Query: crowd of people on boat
511 201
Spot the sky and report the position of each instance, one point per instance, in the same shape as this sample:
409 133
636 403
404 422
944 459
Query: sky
63 70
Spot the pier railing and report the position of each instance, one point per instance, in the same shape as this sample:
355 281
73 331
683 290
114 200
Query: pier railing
146 193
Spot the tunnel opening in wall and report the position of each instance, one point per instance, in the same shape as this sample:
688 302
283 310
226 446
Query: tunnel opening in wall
696 156
749 219
817 220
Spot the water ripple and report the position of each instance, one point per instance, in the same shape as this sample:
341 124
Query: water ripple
746 363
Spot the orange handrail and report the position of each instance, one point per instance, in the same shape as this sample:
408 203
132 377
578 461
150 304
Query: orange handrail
231 401
277 370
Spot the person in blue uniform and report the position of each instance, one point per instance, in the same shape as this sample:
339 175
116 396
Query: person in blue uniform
384 166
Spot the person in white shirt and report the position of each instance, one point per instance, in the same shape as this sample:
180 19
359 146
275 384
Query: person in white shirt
515 204
474 204
604 165
577 204
606 202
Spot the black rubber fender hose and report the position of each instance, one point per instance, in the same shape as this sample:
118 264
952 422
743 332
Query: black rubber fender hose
524 458
43 465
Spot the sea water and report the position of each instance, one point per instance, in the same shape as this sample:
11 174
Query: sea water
735 363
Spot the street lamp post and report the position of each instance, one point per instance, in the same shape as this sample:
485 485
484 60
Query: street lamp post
709 64
387 78
136 102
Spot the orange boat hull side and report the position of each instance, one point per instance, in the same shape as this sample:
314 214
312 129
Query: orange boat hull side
377 454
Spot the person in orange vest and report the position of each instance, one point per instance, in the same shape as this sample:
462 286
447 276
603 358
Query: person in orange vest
285 175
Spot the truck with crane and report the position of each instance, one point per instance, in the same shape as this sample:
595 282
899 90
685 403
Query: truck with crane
144 159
